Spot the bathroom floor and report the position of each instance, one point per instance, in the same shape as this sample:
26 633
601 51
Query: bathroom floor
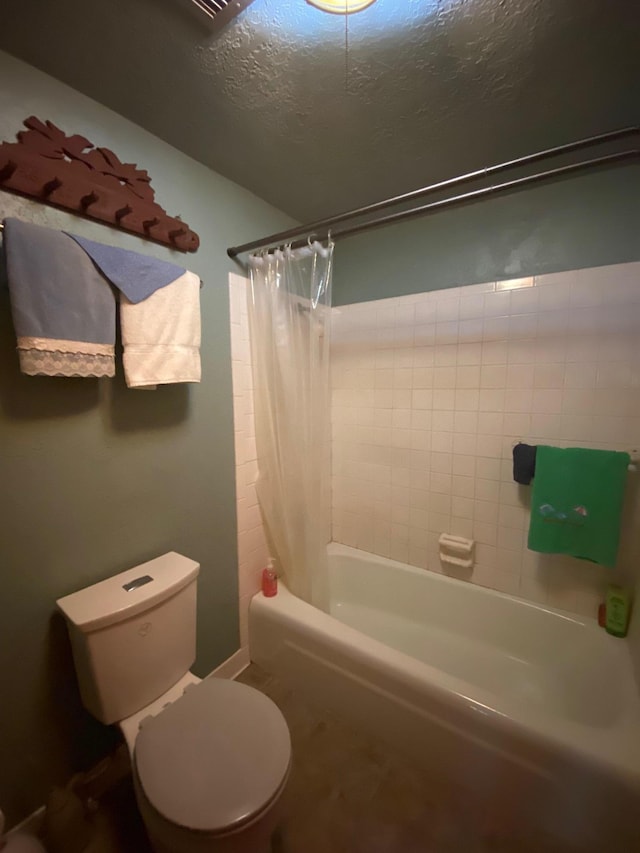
352 793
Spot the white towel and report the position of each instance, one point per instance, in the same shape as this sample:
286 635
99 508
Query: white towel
161 335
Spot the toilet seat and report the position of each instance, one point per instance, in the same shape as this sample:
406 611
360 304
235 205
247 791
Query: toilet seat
214 759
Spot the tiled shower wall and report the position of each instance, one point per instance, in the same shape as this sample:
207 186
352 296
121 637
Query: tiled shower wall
253 553
430 393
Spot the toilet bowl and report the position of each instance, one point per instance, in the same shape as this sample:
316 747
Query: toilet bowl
210 769
210 758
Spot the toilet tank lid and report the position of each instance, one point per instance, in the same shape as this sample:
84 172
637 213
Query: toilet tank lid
124 595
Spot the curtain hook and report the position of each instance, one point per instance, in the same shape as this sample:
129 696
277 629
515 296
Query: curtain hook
309 240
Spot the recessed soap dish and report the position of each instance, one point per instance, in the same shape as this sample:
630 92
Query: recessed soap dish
456 550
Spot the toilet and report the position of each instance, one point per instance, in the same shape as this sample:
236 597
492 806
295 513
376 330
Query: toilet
210 758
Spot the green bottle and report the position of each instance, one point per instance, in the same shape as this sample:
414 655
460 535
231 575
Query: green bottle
617 612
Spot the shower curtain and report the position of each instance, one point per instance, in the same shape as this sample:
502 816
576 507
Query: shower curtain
289 322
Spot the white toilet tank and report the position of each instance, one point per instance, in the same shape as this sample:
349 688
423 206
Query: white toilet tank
133 635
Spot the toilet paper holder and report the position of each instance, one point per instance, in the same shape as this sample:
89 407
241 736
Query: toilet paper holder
456 550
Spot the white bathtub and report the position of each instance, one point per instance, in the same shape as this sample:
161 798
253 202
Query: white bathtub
533 710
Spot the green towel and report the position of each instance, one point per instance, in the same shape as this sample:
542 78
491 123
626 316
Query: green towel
577 502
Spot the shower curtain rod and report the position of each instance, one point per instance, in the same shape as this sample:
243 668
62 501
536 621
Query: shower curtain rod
323 224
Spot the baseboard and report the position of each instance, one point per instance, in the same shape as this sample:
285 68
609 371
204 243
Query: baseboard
233 666
31 825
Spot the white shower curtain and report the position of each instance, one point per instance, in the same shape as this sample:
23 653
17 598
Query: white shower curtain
289 321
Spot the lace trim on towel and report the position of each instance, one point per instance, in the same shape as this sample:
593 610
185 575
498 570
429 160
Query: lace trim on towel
58 345
38 362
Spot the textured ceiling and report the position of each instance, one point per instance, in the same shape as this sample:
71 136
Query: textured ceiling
428 89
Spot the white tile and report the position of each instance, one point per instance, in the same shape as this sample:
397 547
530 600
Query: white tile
490 423
418 518
578 401
442 421
441 462
614 374
464 421
547 401
421 419
521 352
576 427
446 333
423 356
467 376
513 516
383 399
423 377
492 400
462 507
440 502
425 335
405 314
493 376
447 309
469 353
485 534
425 312
580 375
440 483
488 469
489 445
554 297
470 331
401 418
471 306
465 443
461 526
546 426
586 290
518 400
401 398
463 487
520 376
441 442
511 538
402 357
517 423
422 399
486 512
525 300
441 398
402 378
552 325
464 464
548 375
495 329
514 283
466 400
444 377
497 304
483 287
494 352
523 326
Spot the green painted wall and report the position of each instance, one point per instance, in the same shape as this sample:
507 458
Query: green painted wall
582 222
96 478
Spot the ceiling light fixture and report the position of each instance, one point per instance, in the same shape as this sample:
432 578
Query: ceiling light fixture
341 7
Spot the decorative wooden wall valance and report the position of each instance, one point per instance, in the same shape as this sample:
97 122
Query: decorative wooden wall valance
71 173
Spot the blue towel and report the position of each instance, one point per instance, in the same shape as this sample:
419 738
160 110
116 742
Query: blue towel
63 308
136 275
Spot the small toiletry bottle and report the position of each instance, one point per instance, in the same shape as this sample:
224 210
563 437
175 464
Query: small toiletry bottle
618 607
269 580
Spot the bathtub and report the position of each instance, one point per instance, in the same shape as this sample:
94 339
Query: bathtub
529 712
